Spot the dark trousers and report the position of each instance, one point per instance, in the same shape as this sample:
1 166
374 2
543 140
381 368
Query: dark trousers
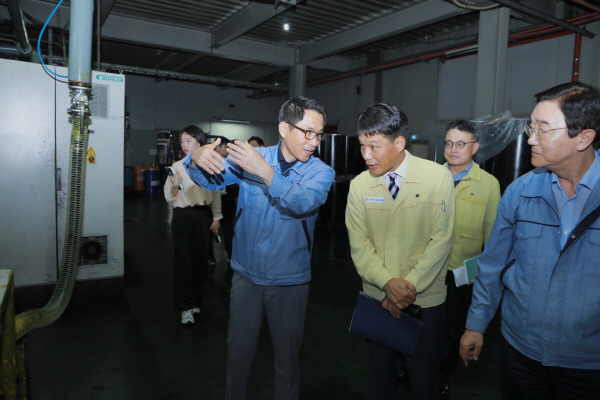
422 367
524 378
190 232
284 307
458 301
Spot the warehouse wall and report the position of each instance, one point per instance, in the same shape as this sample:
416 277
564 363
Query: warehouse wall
431 93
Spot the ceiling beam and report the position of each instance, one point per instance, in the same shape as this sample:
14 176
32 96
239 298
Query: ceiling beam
251 72
243 21
513 5
155 34
105 9
161 35
41 11
421 14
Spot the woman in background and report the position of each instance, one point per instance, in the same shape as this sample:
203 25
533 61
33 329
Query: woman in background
196 212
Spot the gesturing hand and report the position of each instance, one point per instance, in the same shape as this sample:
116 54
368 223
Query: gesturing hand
208 159
247 157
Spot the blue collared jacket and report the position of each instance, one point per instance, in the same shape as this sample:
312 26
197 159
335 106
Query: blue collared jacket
274 225
550 299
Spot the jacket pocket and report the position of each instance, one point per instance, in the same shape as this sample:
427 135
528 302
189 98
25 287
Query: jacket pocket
528 235
306 234
506 268
594 235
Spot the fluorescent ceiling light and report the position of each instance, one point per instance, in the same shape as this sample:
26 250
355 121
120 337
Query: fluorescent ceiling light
235 121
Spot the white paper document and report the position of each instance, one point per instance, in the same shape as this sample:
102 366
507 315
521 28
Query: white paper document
465 274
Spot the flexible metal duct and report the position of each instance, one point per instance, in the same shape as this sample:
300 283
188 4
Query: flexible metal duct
79 83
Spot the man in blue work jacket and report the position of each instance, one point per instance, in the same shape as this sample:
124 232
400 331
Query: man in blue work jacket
542 258
280 191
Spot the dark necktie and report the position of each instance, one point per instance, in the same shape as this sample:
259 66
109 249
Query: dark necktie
393 187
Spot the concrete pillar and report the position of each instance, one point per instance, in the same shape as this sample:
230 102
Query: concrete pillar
376 58
491 62
297 85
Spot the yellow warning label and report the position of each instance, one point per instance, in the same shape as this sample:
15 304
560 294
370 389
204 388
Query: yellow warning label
91 156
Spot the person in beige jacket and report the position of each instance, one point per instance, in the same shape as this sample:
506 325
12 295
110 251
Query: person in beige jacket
400 219
196 213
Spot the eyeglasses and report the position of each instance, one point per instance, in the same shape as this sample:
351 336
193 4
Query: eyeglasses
458 145
537 132
308 134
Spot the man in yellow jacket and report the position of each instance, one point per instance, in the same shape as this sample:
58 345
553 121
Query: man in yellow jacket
477 197
400 218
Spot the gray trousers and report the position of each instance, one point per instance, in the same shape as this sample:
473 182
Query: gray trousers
285 308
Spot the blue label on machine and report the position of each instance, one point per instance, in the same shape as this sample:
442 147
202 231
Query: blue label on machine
109 78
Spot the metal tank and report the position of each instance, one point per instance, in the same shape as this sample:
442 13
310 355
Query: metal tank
510 163
342 153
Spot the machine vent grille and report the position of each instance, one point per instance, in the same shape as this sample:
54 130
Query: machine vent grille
99 101
93 250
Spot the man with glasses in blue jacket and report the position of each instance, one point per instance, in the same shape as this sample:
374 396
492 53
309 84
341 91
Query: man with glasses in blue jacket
542 258
280 191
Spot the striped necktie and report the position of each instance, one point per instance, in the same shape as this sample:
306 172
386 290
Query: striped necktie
392 186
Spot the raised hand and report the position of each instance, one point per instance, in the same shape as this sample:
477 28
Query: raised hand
247 157
208 159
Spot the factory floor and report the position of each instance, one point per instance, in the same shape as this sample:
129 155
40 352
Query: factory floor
121 338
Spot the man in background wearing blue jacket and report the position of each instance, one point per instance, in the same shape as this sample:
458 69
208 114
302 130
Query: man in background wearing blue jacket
281 190
542 258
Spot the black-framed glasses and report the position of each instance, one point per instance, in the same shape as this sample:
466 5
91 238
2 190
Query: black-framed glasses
459 145
537 132
308 134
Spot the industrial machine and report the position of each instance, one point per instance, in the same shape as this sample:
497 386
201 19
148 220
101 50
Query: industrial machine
35 157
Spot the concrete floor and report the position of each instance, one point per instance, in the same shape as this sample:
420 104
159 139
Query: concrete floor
121 338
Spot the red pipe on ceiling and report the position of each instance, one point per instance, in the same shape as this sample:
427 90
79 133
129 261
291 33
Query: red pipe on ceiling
547 31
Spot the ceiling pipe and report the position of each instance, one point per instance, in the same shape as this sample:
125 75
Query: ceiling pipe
16 17
11 50
460 50
119 68
80 43
584 3
98 35
547 28
544 17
